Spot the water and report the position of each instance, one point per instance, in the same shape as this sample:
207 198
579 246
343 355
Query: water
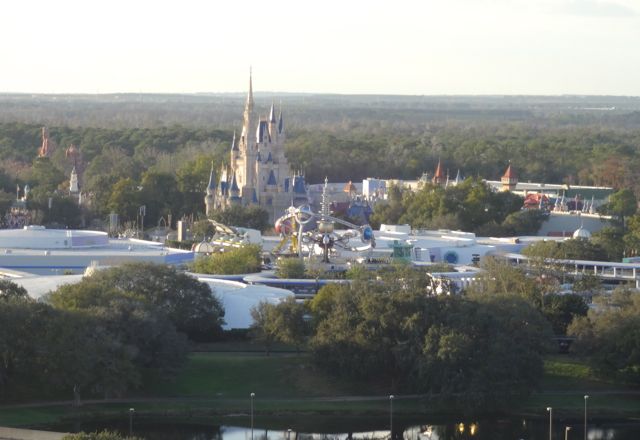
339 428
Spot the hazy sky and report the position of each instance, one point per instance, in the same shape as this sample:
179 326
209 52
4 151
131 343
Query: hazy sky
346 46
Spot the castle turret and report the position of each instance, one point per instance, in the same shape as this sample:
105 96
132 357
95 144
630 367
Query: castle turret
438 176
73 182
509 179
210 197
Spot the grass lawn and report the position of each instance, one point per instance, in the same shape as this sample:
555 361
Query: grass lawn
235 375
219 383
567 380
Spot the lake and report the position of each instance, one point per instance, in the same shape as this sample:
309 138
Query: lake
320 427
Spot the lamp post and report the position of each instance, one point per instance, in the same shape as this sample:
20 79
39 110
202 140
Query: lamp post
252 395
391 397
586 397
131 411
566 432
289 434
550 422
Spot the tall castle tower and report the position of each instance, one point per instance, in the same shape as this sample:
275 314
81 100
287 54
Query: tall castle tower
258 171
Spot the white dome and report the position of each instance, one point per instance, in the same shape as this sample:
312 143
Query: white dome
582 233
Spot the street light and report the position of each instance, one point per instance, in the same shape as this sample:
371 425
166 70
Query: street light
550 422
566 432
252 395
131 411
391 397
289 434
586 397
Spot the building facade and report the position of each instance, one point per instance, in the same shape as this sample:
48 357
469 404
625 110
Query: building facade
258 172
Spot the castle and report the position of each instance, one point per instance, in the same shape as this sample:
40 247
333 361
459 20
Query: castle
258 172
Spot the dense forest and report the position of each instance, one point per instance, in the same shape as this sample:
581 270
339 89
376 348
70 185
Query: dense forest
165 144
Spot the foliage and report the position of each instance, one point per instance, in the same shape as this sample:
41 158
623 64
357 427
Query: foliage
102 435
609 336
245 259
501 280
447 345
253 217
283 322
470 206
10 291
189 304
290 268
622 204
571 249
561 310
264 328
99 351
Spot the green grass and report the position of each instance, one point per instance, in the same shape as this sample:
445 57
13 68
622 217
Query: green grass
233 375
219 383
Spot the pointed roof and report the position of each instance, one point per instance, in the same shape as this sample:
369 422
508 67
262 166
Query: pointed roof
272 178
298 185
280 122
234 184
212 179
510 173
249 103
269 158
272 114
234 145
438 176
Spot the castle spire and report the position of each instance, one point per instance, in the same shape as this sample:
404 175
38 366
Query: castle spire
249 104
234 145
438 176
272 114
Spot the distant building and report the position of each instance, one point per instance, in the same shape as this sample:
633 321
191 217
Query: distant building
258 171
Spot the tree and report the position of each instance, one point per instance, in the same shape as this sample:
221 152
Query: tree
264 328
188 303
125 199
245 259
622 204
481 352
10 291
291 324
609 337
290 268
160 196
561 310
252 216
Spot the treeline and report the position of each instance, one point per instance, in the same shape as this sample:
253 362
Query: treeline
385 137
102 336
478 352
468 206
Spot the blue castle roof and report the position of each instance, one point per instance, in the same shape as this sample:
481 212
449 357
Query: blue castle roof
272 178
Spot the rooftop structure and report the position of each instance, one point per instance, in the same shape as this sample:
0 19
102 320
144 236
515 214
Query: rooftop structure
42 251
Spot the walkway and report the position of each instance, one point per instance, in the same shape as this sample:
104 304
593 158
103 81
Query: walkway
28 434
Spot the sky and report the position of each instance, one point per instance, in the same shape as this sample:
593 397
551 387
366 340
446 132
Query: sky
413 47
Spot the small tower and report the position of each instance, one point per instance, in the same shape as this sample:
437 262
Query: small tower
73 182
210 197
438 176
509 180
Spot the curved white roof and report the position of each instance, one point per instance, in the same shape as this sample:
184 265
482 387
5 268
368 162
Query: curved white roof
37 237
236 297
